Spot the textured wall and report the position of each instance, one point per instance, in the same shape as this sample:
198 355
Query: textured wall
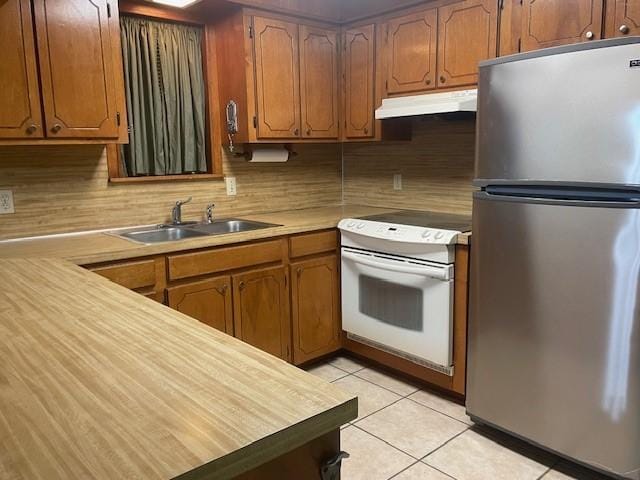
436 168
61 189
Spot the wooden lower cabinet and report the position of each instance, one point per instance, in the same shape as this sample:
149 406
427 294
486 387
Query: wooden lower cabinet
207 300
315 311
261 310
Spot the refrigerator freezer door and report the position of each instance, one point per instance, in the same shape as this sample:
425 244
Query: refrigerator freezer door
554 333
571 117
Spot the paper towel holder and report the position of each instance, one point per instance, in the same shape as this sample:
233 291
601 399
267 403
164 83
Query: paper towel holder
247 151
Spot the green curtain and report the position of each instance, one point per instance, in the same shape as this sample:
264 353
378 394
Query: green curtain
165 96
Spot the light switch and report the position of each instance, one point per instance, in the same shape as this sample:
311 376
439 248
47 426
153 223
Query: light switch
6 202
397 181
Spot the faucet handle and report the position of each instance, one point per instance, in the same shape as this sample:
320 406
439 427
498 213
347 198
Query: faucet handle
179 203
209 212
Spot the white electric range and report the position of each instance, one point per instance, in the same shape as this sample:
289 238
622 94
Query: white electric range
397 283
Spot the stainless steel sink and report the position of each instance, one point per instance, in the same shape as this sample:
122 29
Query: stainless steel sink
160 234
171 233
230 225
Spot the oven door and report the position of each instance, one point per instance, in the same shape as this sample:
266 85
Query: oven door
400 303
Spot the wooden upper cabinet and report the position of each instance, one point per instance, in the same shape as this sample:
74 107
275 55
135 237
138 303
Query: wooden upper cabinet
277 78
548 23
20 115
319 82
411 52
467 34
78 80
261 310
623 18
315 311
208 301
359 71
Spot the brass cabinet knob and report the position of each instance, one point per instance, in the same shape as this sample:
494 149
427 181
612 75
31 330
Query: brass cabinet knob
241 285
308 132
624 29
428 81
223 289
299 271
443 79
296 132
589 35
32 128
56 128
366 131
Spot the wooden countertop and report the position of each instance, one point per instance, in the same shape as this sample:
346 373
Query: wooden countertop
87 248
99 382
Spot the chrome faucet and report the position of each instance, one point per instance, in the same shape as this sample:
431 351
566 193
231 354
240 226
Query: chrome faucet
209 213
176 212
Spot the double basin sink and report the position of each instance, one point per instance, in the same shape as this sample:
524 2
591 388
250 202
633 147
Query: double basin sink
170 233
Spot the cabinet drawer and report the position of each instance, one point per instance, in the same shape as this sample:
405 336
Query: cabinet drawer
132 275
223 259
312 243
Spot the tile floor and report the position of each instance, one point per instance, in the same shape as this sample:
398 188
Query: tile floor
404 432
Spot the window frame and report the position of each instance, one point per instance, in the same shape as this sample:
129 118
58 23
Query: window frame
213 144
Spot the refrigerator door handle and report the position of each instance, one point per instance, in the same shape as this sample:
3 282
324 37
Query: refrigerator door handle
570 202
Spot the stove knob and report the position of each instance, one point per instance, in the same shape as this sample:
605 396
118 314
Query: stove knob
426 234
360 226
439 235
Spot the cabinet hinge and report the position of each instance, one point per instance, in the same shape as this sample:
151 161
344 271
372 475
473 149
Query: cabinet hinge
108 10
286 280
255 122
250 31
501 5
386 85
519 45
118 118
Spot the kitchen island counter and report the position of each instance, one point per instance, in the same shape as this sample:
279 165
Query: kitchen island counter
99 382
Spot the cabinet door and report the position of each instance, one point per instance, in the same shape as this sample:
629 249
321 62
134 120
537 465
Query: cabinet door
315 314
548 23
76 67
208 301
261 310
623 18
411 52
19 96
277 78
319 82
467 34
359 70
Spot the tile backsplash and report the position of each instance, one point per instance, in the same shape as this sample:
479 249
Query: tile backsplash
436 167
65 188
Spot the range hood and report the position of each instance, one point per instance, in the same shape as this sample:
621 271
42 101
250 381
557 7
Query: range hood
429 104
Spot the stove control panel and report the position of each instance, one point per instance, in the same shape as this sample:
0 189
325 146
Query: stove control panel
399 233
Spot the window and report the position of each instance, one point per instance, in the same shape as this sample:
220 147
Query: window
166 97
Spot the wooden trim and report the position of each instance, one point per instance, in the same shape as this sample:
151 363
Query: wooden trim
460 318
159 12
313 243
213 131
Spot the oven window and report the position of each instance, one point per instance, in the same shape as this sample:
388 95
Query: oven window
391 303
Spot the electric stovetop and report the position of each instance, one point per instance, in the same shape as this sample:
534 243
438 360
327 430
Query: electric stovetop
444 221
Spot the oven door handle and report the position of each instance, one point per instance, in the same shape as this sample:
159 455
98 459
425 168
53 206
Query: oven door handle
426 270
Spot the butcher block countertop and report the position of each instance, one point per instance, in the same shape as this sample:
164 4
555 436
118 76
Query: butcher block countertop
97 381
87 248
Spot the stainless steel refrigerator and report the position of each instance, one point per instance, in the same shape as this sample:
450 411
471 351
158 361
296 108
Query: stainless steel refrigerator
554 332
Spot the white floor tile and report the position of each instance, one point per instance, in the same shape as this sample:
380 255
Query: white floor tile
347 364
370 458
412 428
370 397
420 471
387 381
442 405
472 456
327 372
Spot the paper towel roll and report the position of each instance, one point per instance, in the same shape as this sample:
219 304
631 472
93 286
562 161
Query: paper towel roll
269 155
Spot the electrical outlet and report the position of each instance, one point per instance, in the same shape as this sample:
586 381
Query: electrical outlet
397 181
230 182
6 202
